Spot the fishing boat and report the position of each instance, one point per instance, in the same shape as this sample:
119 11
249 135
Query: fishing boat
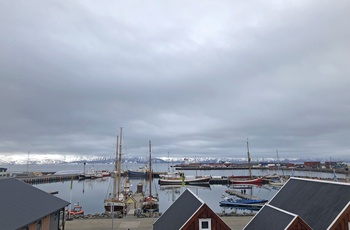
77 210
249 180
116 203
139 173
105 173
150 202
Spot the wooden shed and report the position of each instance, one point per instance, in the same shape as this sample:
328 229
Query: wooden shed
189 212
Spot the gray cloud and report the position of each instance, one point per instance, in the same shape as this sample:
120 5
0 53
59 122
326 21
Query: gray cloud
196 78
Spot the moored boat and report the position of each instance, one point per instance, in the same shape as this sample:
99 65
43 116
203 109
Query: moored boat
242 202
139 173
105 173
151 202
250 179
77 210
246 181
180 178
117 202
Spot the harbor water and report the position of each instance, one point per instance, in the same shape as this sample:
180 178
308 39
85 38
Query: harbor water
91 193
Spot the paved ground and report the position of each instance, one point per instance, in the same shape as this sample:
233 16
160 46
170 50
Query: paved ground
133 223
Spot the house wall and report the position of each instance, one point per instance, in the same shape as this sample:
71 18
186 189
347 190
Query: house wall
343 221
54 220
299 224
203 213
48 222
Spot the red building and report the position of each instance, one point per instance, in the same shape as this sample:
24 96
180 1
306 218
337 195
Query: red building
312 164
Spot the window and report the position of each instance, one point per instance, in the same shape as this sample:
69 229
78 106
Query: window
204 224
38 225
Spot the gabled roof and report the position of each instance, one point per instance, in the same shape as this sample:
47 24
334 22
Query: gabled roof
272 218
179 212
317 202
22 204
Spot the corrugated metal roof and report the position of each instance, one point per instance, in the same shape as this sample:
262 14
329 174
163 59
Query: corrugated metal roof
317 202
22 204
179 212
270 218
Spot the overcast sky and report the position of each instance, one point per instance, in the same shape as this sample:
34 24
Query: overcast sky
196 77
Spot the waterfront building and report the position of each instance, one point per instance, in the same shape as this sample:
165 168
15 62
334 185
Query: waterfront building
24 206
306 204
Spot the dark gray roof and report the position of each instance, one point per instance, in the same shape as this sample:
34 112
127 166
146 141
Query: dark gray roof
179 212
22 204
317 202
270 218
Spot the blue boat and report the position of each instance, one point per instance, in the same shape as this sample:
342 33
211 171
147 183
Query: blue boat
139 173
243 202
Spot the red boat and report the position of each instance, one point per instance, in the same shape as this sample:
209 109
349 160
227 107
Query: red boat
247 181
243 179
76 210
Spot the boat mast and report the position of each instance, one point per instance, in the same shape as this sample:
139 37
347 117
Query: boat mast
119 159
150 170
278 162
249 166
115 170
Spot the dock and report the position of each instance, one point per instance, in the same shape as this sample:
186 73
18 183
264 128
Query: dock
241 194
47 178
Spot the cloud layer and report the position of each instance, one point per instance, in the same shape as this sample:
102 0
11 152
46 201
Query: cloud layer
197 78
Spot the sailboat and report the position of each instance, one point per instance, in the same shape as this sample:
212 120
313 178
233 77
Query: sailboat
117 202
150 202
249 180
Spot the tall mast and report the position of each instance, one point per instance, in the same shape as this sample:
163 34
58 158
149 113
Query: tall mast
278 161
119 158
150 169
249 166
115 170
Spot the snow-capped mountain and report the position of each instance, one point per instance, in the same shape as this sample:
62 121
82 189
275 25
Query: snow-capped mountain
66 159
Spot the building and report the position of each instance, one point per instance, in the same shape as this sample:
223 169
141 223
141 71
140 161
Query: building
25 207
312 164
189 212
3 172
306 204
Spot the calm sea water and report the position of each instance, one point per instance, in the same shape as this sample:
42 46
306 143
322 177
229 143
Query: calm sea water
91 193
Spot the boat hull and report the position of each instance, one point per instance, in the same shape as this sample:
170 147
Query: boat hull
138 174
150 207
251 181
242 203
114 206
179 181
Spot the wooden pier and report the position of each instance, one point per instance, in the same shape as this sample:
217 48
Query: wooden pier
241 194
48 178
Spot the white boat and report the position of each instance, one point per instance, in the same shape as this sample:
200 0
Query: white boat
180 178
277 182
116 203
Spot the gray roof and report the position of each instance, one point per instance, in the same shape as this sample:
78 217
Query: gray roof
266 217
179 212
317 202
22 204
